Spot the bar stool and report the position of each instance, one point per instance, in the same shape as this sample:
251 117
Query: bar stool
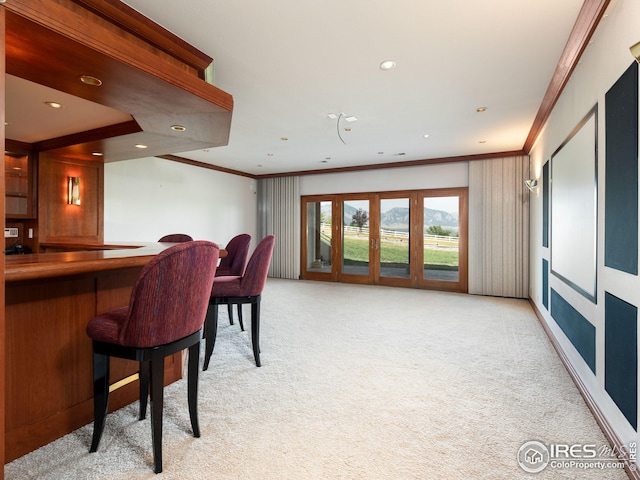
165 315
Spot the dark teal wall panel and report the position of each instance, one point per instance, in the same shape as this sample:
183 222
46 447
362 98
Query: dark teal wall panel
621 355
577 328
621 188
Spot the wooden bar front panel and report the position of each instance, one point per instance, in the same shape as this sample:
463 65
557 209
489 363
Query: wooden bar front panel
48 371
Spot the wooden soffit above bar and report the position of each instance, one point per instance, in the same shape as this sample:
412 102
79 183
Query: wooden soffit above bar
55 42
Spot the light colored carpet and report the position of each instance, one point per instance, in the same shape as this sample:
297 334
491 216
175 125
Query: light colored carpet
357 382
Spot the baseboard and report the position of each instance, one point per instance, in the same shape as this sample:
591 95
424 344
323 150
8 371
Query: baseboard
607 430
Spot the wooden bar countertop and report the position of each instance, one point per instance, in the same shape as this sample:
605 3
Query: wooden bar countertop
83 259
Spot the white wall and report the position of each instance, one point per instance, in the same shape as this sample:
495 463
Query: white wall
388 179
602 64
150 197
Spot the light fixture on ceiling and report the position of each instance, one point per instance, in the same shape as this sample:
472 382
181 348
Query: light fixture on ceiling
532 184
140 145
97 154
340 116
178 128
387 65
426 135
54 104
481 109
90 80
635 51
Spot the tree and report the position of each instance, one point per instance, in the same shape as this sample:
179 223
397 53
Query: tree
359 219
438 230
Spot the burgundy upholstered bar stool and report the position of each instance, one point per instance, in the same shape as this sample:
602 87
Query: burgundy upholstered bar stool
176 238
165 315
240 290
233 265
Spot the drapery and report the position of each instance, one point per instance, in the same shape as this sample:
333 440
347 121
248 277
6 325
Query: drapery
499 227
279 214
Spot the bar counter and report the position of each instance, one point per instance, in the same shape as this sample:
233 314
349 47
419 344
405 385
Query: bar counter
50 298
79 259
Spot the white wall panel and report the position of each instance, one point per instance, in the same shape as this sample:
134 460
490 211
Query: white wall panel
150 197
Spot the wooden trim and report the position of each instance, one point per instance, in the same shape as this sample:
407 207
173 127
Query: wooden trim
358 168
586 23
2 260
96 134
195 163
409 163
125 17
601 420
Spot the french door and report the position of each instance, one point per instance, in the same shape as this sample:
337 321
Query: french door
410 238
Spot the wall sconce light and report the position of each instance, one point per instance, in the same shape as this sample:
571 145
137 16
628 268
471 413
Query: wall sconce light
635 51
73 190
531 184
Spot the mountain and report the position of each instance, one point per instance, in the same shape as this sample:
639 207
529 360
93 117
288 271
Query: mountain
398 218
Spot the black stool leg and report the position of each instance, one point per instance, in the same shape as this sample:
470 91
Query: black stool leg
100 397
211 330
240 317
230 310
255 329
192 387
157 403
143 375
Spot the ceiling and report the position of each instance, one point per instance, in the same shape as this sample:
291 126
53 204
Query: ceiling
289 64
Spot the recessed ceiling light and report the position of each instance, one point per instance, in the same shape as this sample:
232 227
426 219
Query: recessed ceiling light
387 65
482 141
284 139
347 129
140 145
324 161
269 154
481 109
97 154
426 135
259 165
380 153
89 80
54 104
178 128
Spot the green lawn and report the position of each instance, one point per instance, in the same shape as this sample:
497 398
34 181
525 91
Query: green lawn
356 252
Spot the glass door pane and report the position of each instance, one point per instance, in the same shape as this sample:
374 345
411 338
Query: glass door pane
393 239
355 237
441 239
319 219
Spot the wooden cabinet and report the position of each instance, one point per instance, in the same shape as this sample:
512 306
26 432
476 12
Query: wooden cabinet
20 188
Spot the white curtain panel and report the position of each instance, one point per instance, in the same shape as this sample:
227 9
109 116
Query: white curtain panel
499 227
279 214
